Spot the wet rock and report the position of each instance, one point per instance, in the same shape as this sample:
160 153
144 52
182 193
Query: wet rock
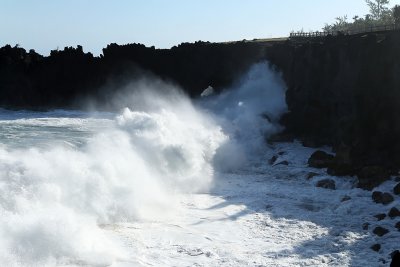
395 258
393 213
345 198
327 184
310 175
380 231
380 216
377 196
372 176
387 198
272 160
397 225
320 159
365 226
280 153
396 189
376 247
285 162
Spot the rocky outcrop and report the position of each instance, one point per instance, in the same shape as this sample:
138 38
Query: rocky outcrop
69 76
343 92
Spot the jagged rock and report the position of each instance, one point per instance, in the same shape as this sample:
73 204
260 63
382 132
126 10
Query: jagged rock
396 189
320 159
272 160
377 196
345 198
397 225
376 247
380 231
380 216
387 198
372 176
395 258
326 183
394 212
310 175
365 226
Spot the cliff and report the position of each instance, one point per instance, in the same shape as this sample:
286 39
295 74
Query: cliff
344 91
29 80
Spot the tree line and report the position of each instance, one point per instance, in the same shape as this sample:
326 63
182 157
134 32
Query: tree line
380 13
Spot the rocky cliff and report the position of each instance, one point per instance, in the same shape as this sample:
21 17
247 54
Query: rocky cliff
344 91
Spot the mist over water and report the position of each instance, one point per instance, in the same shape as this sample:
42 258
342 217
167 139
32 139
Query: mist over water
56 195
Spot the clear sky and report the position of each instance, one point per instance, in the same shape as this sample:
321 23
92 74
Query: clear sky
45 25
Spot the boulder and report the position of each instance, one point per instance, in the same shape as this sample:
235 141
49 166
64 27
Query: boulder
380 216
395 259
310 175
380 231
320 159
345 198
285 162
376 247
272 160
393 213
377 196
387 198
327 184
371 176
396 189
397 225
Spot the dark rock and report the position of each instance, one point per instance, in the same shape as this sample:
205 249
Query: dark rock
310 175
397 179
377 196
397 225
380 216
365 226
340 169
285 162
372 176
395 258
326 183
280 153
387 198
320 159
396 189
272 160
280 138
376 247
380 231
394 212
345 198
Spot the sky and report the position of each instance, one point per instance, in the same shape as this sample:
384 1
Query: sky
45 25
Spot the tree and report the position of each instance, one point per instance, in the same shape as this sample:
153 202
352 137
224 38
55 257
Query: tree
396 15
378 8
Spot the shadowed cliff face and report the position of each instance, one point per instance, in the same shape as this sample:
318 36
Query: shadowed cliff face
345 91
29 80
